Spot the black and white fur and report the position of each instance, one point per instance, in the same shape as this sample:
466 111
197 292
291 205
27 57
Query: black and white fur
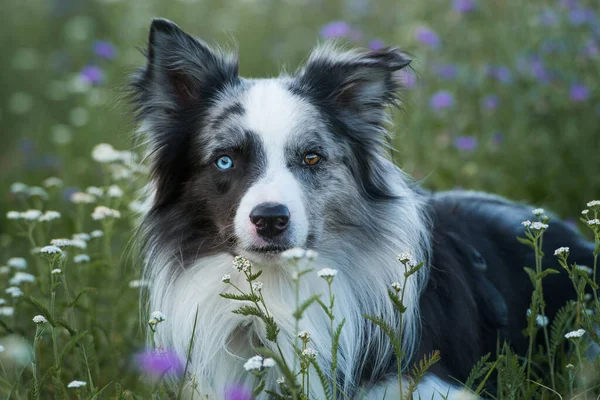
356 208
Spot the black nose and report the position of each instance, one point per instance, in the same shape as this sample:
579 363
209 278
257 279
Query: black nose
270 219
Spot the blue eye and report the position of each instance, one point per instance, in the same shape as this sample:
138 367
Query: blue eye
224 162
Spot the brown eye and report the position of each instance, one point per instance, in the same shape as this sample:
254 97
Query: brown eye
311 159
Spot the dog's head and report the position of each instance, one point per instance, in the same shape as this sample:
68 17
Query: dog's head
259 166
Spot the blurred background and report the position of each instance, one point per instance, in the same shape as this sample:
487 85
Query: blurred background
503 97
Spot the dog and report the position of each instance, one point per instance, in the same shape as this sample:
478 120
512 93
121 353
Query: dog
255 167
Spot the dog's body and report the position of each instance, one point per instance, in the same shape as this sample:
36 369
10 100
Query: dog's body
255 167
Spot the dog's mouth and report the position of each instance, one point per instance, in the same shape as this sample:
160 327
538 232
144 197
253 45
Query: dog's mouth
271 249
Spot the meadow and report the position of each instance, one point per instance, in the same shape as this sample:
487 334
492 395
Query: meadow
502 97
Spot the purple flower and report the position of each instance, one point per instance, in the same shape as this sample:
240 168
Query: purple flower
237 393
503 74
158 362
336 29
579 92
548 17
465 143
376 44
464 6
92 74
407 78
539 70
442 99
491 102
105 49
497 138
428 37
578 16
591 49
569 3
446 71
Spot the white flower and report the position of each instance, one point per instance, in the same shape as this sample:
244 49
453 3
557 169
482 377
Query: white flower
593 203
311 255
587 296
31 215
538 211
7 311
585 269
36 191
82 198
120 172
53 182
94 191
50 250
138 283
61 242
327 273
268 363
280 380
241 263
102 212
561 250
575 334
17 263
13 215
81 236
76 384
14 291
40 319
136 206
296 253
105 153
304 336
49 216
55 271
4 270
585 212
526 223
81 258
156 318
79 243
310 353
541 320
18 187
538 226
594 222
2 349
253 363
2 302
405 258
396 286
96 234
257 286
226 278
21 277
115 191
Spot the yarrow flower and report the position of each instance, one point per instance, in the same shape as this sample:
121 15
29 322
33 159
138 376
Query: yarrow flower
7 311
594 203
396 286
561 251
304 336
241 263
102 212
258 363
585 212
13 215
105 153
82 198
541 320
81 236
594 222
31 215
56 271
76 384
310 353
538 211
94 191
40 319
50 250
21 277
538 226
18 187
526 223
96 234
49 216
327 273
81 258
14 291
53 182
137 283
257 286
61 242
405 258
114 191
17 262
575 334
280 380
226 278
296 253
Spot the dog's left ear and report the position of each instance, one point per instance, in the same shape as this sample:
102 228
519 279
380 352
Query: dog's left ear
354 81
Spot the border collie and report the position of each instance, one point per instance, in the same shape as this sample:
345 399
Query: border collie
255 167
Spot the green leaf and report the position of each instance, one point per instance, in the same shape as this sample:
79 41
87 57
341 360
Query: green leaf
253 277
547 272
240 297
272 330
325 383
531 274
480 368
43 309
390 333
99 392
81 293
259 388
401 308
526 242
305 304
249 310
70 344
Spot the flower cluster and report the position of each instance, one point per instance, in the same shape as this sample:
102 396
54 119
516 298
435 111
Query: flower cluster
241 263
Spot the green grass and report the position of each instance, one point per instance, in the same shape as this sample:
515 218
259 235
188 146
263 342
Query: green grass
540 144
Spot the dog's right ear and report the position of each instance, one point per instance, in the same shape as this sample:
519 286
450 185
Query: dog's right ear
181 71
